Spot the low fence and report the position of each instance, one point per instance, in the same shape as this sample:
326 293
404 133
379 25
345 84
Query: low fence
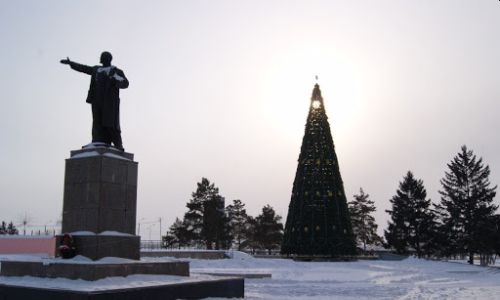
158 245
195 254
151 245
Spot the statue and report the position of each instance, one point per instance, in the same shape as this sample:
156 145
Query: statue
104 96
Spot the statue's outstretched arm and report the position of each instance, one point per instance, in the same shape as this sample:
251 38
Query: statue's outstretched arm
77 67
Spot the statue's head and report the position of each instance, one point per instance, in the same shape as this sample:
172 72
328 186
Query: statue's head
106 58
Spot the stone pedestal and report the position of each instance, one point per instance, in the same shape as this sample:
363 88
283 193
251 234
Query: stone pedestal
99 211
92 271
208 287
97 246
100 202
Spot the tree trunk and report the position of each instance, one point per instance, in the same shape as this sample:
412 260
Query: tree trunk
471 258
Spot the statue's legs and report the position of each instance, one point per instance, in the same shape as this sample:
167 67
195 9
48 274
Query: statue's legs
104 134
115 137
99 133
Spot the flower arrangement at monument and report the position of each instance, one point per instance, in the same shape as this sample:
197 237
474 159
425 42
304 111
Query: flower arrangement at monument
67 248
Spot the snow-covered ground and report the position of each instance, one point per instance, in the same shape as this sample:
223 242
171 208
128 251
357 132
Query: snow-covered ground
407 279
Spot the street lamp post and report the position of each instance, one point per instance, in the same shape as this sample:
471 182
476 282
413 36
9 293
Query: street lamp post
139 226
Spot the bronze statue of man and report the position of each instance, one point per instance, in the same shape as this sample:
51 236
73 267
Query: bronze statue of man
104 96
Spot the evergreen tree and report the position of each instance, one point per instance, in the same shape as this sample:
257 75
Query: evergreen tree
8 229
268 229
206 222
193 219
466 206
238 217
216 229
3 228
168 241
225 238
11 229
250 234
488 241
318 221
495 239
412 220
178 235
363 223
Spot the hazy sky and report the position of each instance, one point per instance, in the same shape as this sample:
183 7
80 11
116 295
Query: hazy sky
221 89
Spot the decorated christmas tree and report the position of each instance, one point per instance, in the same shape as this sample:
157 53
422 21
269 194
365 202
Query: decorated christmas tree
318 222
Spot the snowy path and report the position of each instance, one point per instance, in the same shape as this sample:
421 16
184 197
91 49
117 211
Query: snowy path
407 279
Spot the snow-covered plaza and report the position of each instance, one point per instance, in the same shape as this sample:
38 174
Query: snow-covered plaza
365 279
407 279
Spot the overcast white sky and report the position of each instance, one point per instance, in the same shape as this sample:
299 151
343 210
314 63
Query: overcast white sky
221 89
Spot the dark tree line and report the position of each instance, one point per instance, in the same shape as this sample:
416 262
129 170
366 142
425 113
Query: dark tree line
8 228
462 224
210 224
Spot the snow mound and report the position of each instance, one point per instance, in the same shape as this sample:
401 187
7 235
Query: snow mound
239 255
82 233
115 260
115 233
78 258
85 154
